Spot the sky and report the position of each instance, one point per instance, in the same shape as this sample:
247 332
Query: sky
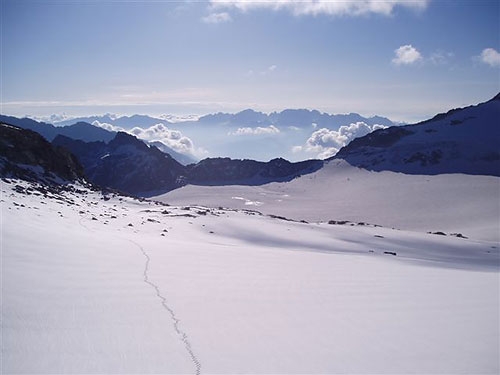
406 60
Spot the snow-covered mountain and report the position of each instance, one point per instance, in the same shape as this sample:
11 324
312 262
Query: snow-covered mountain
440 175
464 140
96 282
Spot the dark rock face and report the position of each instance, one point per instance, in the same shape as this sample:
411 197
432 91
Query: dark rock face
26 154
226 171
129 165
126 164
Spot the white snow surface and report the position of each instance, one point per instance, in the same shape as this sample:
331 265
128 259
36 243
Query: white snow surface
451 203
116 285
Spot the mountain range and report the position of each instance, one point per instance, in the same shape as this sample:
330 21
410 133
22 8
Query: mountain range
245 118
383 259
461 141
129 165
83 131
247 134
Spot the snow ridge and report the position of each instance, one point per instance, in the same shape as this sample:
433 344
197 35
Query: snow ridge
183 336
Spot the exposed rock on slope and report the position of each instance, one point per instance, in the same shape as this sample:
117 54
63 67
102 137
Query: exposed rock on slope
27 155
462 140
129 165
126 164
226 171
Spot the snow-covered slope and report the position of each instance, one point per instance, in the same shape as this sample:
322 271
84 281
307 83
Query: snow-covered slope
464 140
451 203
337 273
106 284
448 179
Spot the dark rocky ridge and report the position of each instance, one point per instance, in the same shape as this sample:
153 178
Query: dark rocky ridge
129 165
126 164
80 130
225 171
23 152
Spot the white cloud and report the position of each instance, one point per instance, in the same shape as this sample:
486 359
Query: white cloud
406 55
109 127
326 143
490 56
327 7
271 129
159 132
172 138
217 18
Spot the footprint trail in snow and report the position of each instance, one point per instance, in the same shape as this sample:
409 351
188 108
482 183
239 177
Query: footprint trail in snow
183 336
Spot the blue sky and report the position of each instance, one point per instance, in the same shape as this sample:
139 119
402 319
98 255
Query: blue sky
406 60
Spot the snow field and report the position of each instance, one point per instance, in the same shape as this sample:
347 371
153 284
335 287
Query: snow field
452 203
146 288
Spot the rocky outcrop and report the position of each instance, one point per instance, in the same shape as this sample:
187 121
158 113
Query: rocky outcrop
226 171
129 165
126 164
27 155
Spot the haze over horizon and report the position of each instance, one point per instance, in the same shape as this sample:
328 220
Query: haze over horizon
406 60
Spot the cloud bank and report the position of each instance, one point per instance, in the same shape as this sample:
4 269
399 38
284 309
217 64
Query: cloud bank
159 132
326 7
325 143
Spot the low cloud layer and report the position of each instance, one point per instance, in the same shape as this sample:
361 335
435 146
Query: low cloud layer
161 133
269 130
326 7
325 143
